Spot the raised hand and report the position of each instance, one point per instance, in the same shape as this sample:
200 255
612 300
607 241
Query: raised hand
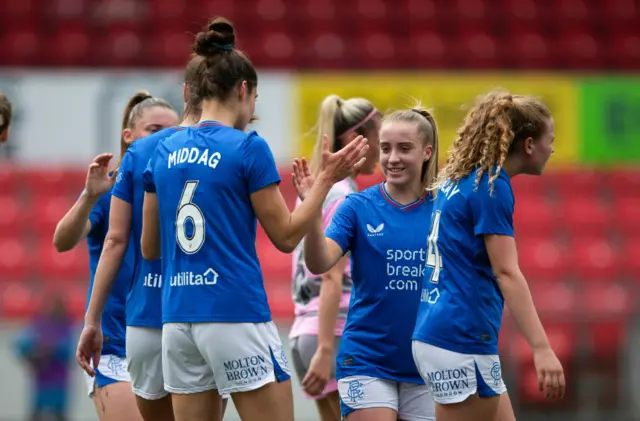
98 179
301 177
347 161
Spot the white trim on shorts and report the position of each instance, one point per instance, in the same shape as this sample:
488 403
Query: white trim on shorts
111 369
453 377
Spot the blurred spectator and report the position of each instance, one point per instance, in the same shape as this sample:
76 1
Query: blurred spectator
46 345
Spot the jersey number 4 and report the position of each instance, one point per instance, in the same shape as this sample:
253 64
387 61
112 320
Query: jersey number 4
434 259
189 211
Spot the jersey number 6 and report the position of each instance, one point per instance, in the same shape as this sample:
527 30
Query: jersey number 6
434 259
187 210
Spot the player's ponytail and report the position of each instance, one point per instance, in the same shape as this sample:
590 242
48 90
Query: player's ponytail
192 80
338 119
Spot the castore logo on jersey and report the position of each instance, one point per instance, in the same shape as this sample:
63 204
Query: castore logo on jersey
375 232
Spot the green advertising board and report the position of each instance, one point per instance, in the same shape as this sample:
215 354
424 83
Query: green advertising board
610 121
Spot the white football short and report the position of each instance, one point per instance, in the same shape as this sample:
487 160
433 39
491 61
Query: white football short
230 357
453 377
144 353
412 402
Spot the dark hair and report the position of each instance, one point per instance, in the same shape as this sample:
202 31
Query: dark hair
5 112
224 67
192 78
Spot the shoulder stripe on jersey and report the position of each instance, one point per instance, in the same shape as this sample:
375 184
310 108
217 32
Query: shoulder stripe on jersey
400 206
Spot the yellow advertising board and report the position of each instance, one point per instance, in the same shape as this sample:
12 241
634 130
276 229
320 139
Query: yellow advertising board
447 95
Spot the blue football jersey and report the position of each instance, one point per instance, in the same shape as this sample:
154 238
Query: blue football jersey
144 306
203 178
387 242
461 303
113 317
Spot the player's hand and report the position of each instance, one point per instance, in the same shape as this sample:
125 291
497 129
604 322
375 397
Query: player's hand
98 179
550 373
89 348
347 161
301 177
319 373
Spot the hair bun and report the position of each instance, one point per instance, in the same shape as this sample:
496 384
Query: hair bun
220 37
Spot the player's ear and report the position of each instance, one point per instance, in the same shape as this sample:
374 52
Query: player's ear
528 145
127 136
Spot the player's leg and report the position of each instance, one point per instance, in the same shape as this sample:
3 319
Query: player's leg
505 410
110 390
415 403
365 398
303 349
188 376
464 386
252 366
144 355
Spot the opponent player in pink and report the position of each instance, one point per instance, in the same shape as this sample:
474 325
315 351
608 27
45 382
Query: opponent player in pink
321 301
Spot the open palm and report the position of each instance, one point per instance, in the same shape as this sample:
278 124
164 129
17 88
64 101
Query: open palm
98 179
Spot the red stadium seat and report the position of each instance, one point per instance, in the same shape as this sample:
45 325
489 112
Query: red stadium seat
595 259
585 217
562 336
530 186
169 47
280 301
122 45
45 212
622 14
374 50
623 49
534 217
70 46
428 50
275 265
20 44
9 180
329 50
631 259
542 259
12 217
608 306
18 301
15 260
61 268
203 10
53 180
579 49
521 13
584 184
527 50
624 183
554 300
477 49
572 12
626 216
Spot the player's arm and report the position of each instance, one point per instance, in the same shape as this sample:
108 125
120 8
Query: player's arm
504 262
329 306
286 229
150 241
75 225
113 252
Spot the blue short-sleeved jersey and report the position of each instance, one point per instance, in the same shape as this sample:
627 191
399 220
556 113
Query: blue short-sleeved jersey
204 178
387 242
461 306
144 303
113 317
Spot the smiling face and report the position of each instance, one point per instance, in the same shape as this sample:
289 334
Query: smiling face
402 153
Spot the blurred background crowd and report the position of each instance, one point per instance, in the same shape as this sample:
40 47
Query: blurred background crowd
70 65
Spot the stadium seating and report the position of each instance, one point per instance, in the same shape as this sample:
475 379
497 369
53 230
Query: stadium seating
574 34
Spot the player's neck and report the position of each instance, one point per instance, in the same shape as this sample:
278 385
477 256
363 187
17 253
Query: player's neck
189 121
512 166
217 111
404 194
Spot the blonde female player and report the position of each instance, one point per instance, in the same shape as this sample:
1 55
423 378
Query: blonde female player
472 262
206 186
108 381
379 227
321 301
